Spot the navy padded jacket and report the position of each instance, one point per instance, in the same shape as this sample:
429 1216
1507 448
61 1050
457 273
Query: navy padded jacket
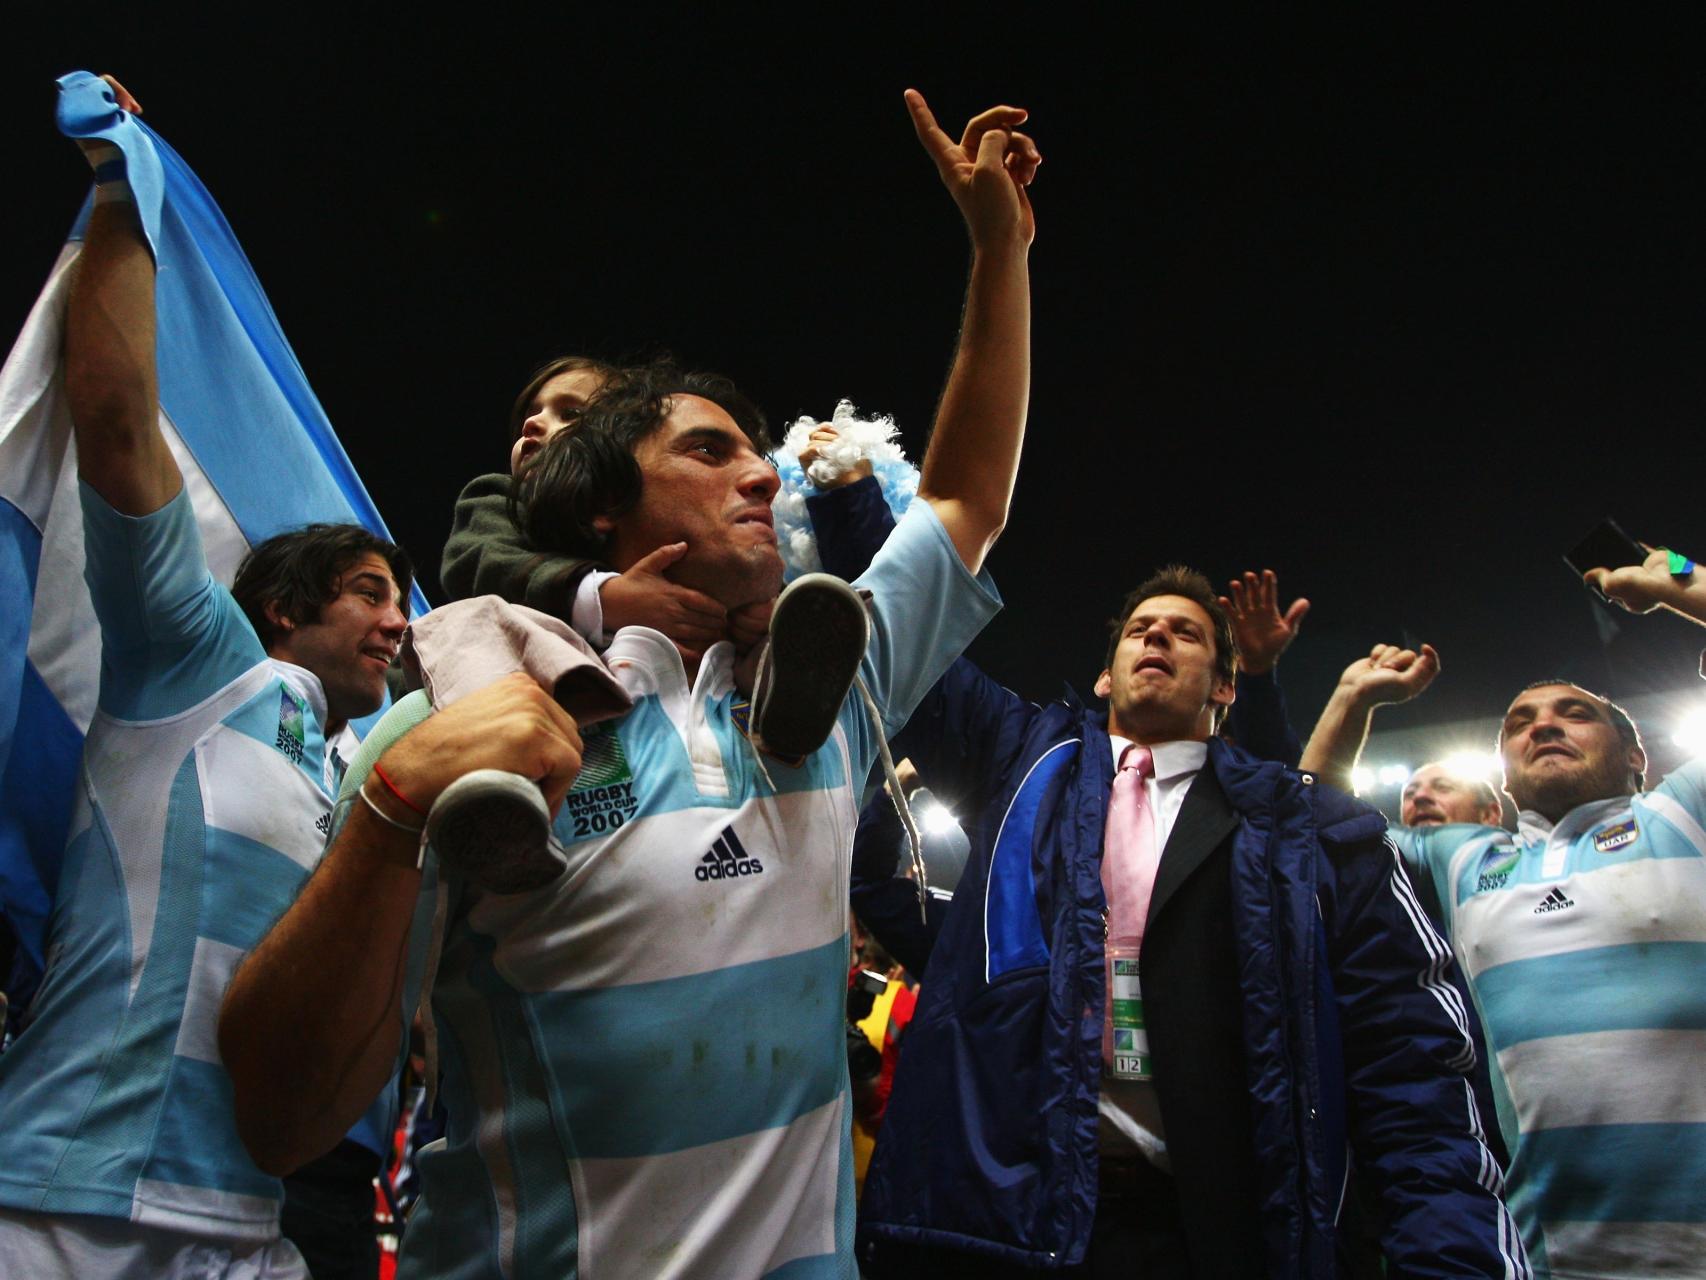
1355 1038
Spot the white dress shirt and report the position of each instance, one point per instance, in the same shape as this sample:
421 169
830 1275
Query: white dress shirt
1176 763
1130 1113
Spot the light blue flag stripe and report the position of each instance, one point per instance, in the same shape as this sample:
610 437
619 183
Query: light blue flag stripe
32 834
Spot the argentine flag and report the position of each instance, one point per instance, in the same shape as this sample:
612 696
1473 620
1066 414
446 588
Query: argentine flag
256 451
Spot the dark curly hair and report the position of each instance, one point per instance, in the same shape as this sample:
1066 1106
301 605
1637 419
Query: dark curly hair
590 472
302 571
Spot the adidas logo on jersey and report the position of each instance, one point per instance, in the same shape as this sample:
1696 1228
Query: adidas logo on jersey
727 859
1554 901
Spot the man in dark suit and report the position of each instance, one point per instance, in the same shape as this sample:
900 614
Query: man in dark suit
1289 989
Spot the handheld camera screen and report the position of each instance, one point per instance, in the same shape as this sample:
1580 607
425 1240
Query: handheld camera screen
1605 547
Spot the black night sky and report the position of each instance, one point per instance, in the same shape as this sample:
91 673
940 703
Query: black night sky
1398 306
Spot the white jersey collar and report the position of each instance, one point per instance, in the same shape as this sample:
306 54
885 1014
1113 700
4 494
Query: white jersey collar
1536 828
647 661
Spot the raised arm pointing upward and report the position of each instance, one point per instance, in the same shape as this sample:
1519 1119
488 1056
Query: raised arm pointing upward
980 424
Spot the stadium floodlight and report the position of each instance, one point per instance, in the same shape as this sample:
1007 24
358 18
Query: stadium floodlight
1362 779
1691 732
1482 766
937 819
1394 775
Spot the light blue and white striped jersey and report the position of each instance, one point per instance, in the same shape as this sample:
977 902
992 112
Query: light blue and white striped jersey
202 804
644 1062
1585 948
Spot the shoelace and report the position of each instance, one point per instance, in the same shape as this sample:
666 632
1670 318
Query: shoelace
897 793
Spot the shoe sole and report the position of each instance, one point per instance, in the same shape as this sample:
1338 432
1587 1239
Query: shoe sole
493 829
818 635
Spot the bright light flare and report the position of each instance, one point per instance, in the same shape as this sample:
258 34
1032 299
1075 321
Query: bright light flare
937 819
1362 779
1480 766
1691 732
1394 775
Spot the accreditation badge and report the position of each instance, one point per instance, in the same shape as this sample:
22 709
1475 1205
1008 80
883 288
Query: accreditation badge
1130 1059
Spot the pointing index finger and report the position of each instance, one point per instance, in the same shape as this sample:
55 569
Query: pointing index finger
938 144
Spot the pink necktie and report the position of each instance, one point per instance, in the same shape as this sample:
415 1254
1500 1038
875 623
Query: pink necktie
1129 859
1130 853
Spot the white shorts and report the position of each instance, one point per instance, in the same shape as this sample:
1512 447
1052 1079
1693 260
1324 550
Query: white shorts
45 1246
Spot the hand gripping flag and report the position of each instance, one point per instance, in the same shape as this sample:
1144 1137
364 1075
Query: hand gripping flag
256 451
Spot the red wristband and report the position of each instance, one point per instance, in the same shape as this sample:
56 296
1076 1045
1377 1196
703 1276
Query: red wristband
392 788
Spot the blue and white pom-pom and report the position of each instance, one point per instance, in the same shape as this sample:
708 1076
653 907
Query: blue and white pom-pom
858 439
